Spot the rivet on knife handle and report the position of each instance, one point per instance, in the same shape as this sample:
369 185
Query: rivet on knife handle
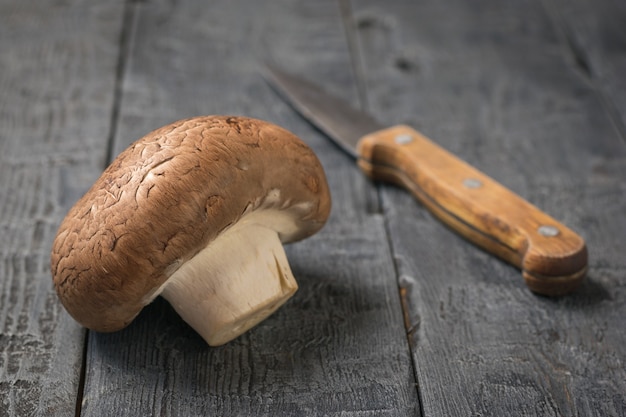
553 258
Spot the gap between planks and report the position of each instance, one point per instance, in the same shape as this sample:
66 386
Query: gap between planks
350 29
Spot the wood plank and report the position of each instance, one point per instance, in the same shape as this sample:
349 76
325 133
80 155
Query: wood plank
596 35
57 76
339 346
494 83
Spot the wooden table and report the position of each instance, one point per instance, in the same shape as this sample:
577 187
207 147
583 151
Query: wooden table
396 314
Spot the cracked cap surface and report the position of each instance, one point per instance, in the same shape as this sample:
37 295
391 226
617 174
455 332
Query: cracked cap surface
168 196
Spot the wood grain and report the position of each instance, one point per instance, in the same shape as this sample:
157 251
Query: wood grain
338 347
56 83
595 37
529 92
494 83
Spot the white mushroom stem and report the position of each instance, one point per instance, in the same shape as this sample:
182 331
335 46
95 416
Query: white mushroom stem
234 283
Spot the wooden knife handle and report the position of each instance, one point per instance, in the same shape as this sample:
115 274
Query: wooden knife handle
553 258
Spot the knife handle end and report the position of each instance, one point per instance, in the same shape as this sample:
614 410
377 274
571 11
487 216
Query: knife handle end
553 258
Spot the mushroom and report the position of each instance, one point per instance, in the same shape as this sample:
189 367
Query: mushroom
197 212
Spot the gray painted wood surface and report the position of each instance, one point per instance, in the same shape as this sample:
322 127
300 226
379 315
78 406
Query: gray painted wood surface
57 77
517 106
395 315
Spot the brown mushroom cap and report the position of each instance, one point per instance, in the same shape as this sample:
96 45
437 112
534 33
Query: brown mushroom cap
169 195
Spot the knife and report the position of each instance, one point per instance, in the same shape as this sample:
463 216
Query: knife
552 258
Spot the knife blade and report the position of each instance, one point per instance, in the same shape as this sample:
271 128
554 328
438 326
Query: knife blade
552 257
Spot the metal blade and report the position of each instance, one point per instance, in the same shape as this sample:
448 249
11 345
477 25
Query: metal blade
335 117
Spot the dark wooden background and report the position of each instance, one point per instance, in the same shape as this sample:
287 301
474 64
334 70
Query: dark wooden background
395 315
